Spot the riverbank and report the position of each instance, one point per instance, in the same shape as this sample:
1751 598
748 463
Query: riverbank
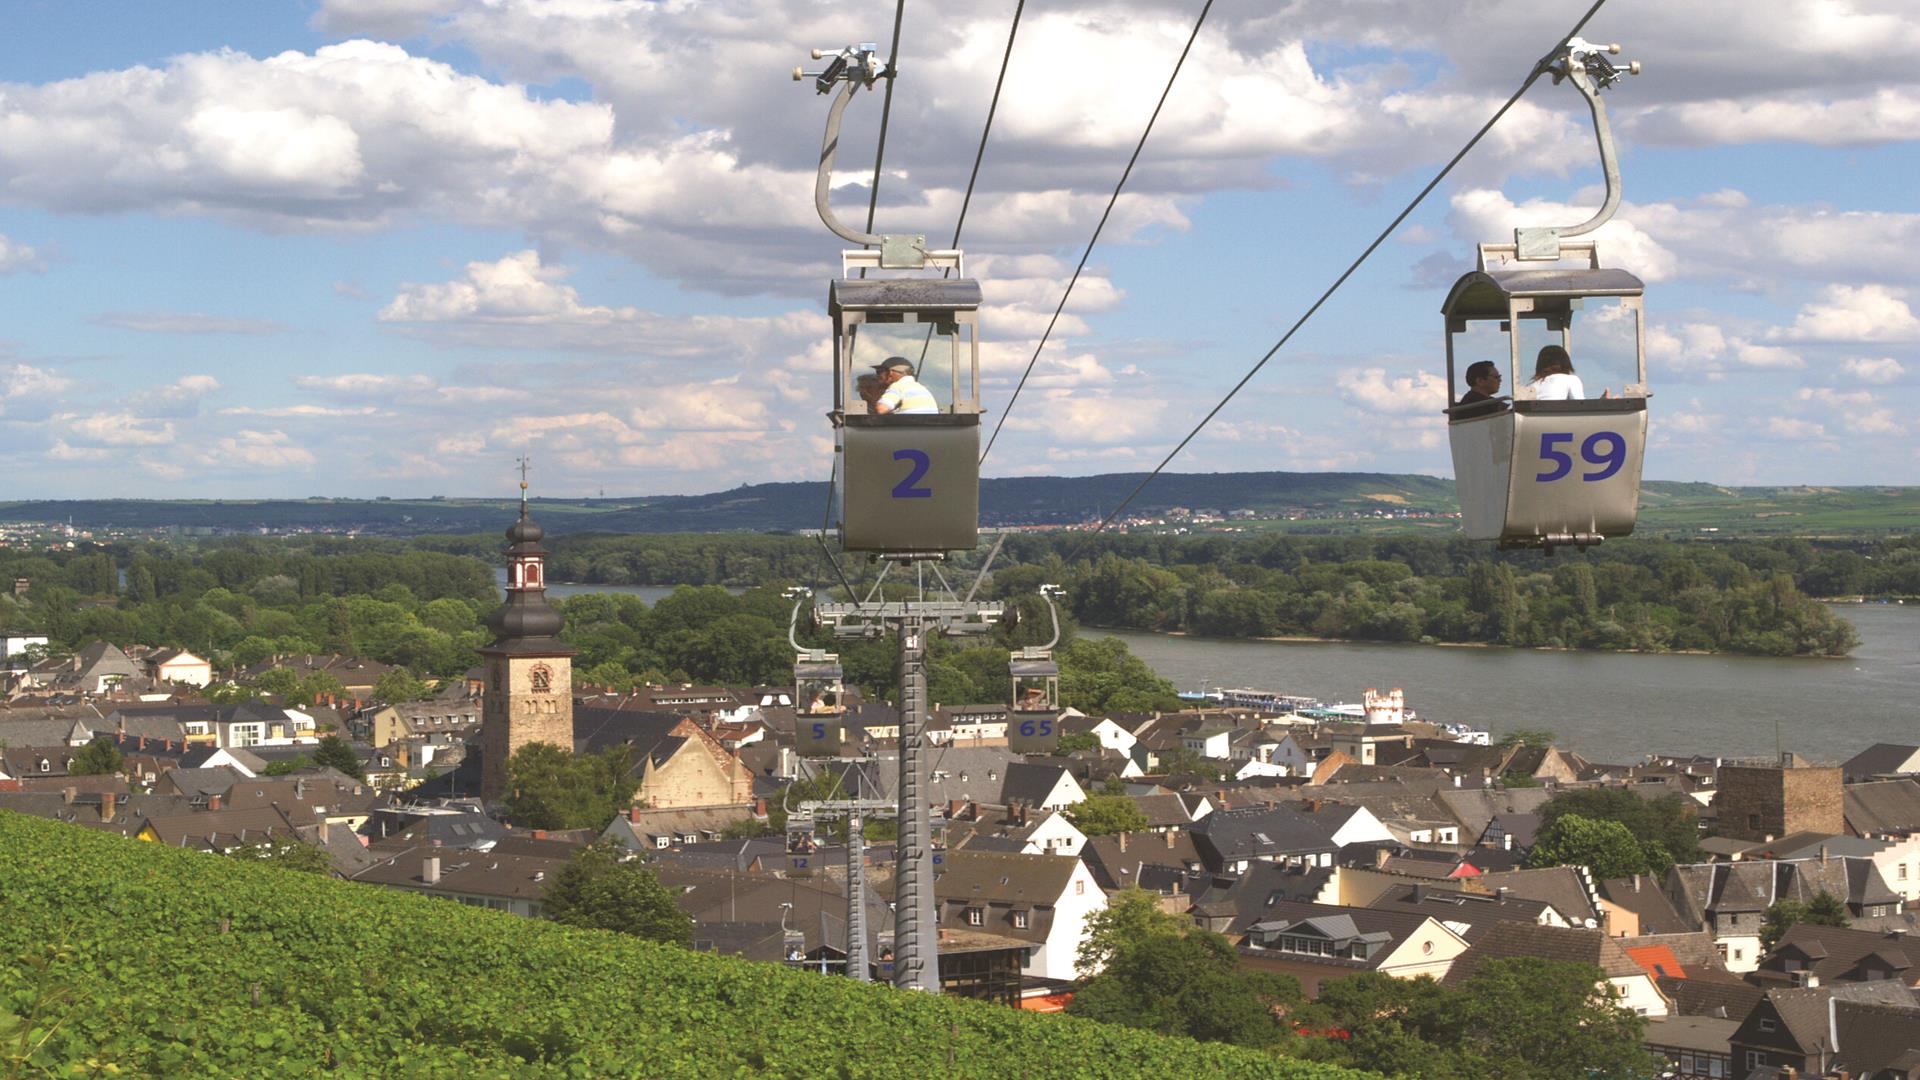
1307 639
1609 706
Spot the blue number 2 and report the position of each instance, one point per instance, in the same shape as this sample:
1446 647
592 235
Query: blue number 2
908 488
1562 463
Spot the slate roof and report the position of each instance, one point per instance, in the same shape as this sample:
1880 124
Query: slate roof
1547 942
1877 1035
1023 783
1227 836
1649 902
1471 915
1255 895
1803 1014
1707 1033
1116 869
396 831
1842 954
1882 759
1883 807
474 873
1724 998
199 783
1002 884
1383 928
211 829
1559 886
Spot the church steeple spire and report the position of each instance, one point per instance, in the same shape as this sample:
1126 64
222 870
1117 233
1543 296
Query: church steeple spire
526 622
529 669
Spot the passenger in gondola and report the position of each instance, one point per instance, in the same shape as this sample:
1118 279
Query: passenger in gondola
868 387
903 395
1553 377
1483 384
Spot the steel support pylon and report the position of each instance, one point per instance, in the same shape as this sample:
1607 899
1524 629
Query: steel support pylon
857 899
915 932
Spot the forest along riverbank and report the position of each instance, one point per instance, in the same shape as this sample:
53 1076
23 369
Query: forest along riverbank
1608 706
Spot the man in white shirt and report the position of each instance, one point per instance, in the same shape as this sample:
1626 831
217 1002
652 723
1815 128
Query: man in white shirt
903 394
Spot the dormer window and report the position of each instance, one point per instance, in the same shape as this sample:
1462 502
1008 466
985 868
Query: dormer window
975 916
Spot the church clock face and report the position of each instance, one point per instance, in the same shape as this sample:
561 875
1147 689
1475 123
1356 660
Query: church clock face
541 678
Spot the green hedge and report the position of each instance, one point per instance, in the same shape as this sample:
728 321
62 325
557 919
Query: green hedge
120 944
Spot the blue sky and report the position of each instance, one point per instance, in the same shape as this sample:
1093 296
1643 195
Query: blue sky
363 247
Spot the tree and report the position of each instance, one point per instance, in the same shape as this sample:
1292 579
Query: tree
1188 984
1670 820
1606 848
1071 743
1548 1018
552 788
287 854
1825 909
604 887
287 766
1131 916
1104 815
98 758
337 753
1527 737
399 685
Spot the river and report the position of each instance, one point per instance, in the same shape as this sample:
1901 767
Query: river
1608 706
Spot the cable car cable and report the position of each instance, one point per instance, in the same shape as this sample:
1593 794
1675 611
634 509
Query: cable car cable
993 106
1088 253
1539 69
886 112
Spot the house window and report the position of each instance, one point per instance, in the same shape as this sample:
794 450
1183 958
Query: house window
1426 948
1753 821
1903 872
975 916
1755 1059
1019 920
1739 954
45 765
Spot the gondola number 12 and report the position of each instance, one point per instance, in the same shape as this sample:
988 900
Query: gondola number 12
1606 449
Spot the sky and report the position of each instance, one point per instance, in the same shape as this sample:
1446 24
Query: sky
385 247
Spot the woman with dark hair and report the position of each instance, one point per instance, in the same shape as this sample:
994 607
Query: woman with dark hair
1553 377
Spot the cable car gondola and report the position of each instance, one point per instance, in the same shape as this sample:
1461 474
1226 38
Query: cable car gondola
910 479
819 691
1033 711
1534 472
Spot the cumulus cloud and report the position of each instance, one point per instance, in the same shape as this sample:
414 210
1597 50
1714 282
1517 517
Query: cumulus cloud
16 258
1797 430
1374 390
113 429
1848 313
258 450
1881 370
519 301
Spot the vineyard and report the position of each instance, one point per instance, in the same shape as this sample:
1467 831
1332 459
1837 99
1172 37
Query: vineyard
124 958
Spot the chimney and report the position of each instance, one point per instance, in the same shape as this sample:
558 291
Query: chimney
142 743
1636 883
324 832
1500 894
430 870
1170 838
70 794
1313 806
1123 842
539 834
213 802
760 807
1419 894
1823 854
108 801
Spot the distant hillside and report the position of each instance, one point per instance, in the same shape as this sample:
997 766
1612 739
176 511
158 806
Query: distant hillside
1335 502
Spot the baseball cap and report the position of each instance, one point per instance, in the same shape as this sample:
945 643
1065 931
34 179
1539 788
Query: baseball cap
895 362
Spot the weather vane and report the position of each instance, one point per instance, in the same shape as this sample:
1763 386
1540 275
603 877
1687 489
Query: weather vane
525 463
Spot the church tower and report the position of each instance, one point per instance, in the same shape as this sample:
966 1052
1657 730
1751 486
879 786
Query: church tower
529 670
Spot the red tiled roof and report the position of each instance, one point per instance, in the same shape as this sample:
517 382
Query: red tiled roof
1658 960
